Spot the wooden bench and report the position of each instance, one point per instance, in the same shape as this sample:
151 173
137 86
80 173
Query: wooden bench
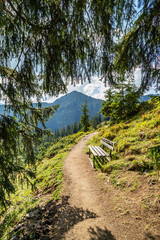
97 151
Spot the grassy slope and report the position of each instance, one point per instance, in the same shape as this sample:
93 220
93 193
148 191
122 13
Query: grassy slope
132 138
131 179
48 182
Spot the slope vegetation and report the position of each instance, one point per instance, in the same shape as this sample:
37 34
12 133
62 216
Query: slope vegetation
133 172
45 187
133 139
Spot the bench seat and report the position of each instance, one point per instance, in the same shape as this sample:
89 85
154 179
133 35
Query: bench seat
97 151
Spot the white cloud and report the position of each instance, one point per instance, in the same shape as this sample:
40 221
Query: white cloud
95 89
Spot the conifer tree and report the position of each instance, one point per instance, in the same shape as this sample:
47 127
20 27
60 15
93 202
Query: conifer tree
84 120
94 121
75 127
121 103
68 130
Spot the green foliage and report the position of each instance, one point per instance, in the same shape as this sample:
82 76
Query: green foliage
85 123
49 173
141 165
113 178
22 201
137 45
122 103
18 139
64 142
133 187
133 138
70 129
48 181
115 165
95 121
155 155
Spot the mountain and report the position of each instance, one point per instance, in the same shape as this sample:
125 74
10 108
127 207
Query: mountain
70 107
147 97
69 110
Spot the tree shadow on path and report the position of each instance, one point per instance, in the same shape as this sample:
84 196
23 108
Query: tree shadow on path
150 236
51 221
54 220
100 234
66 217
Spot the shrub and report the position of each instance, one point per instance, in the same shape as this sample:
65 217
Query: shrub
155 156
141 165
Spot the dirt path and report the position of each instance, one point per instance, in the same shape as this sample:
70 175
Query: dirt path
92 216
90 208
82 188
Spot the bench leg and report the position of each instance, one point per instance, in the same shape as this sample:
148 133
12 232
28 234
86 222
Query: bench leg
93 161
110 155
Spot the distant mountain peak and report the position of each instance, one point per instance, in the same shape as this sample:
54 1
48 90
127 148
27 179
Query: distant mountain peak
78 94
70 109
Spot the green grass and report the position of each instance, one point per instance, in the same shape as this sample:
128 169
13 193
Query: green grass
48 183
132 138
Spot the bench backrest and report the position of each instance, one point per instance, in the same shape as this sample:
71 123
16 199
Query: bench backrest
108 143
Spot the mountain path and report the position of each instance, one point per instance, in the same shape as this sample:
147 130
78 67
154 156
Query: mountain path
90 207
90 215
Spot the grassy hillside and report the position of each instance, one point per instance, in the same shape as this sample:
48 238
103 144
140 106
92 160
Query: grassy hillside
132 178
48 184
133 139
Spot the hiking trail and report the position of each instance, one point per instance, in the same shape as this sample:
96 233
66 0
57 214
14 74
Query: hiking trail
85 194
